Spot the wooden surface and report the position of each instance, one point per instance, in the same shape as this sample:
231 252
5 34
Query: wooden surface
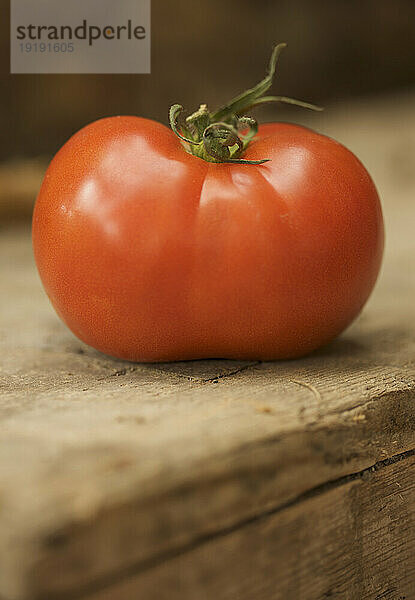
217 479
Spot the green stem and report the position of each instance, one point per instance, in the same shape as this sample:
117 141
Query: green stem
238 104
217 137
284 100
175 111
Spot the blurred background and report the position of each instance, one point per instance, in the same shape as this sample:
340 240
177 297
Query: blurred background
356 54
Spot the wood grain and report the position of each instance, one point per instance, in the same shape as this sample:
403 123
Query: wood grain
353 538
109 468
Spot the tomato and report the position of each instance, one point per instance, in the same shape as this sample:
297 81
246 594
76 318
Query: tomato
149 253
215 239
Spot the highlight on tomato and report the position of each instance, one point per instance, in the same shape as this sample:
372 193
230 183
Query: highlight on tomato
216 238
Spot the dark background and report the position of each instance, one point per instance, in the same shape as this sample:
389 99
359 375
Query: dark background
207 51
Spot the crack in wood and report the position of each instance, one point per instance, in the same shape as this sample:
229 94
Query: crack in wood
231 373
152 562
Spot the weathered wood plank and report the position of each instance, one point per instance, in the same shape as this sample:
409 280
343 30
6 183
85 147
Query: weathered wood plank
352 539
105 465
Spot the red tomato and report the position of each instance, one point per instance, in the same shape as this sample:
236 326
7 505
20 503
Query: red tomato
151 254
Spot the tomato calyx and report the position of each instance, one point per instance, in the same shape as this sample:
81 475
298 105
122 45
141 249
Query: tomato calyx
223 136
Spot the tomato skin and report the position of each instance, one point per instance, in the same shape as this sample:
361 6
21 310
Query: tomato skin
151 254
